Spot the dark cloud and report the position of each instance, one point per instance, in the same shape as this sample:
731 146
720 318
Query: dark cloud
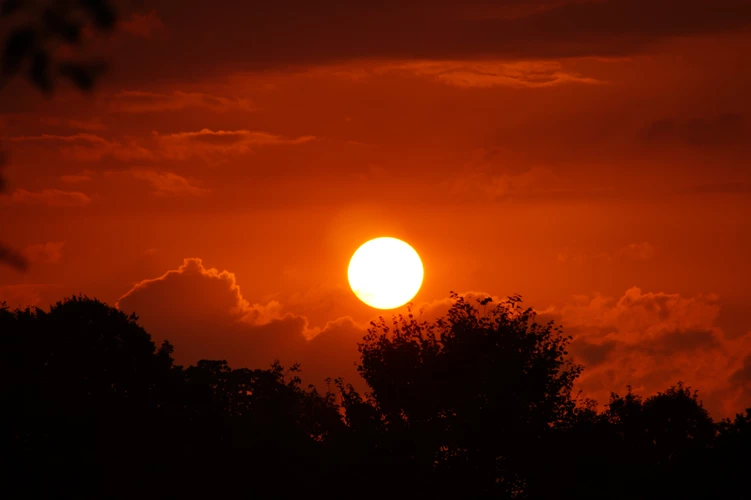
204 314
726 188
132 101
712 131
652 340
593 354
646 340
230 36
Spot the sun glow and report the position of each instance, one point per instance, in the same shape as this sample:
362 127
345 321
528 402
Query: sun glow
385 273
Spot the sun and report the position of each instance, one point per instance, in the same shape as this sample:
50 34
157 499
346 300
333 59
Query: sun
385 273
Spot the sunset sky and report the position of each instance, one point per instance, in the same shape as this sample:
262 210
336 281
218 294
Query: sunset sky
593 156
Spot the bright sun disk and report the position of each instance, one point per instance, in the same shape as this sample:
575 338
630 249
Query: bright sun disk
385 273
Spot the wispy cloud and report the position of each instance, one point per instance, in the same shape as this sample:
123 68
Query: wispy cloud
486 74
49 197
92 147
49 252
208 143
633 251
168 183
142 25
132 101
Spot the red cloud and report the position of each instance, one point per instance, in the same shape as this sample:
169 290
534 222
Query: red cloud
142 25
632 251
91 147
649 341
541 30
207 144
168 183
203 313
145 102
486 74
44 252
652 340
49 197
75 179
646 340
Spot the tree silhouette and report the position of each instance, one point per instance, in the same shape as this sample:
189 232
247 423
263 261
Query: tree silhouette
474 405
92 409
478 393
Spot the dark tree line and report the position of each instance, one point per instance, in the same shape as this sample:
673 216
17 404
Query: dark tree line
478 404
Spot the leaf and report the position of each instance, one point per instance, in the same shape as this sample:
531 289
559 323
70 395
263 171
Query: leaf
83 75
18 46
40 71
58 25
8 7
13 258
101 11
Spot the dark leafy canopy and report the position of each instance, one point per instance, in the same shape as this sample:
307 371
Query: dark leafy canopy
40 28
475 405
92 409
481 391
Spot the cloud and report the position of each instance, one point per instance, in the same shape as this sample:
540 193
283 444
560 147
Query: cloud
168 183
50 252
652 340
631 252
634 251
76 179
49 197
210 144
491 176
486 74
646 340
142 25
90 147
254 37
576 258
145 102
87 125
710 131
203 312
724 188
505 173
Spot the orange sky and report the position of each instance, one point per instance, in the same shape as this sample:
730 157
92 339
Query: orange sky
592 156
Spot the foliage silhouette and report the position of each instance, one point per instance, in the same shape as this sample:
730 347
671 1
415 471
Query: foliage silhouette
474 405
40 30
479 391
